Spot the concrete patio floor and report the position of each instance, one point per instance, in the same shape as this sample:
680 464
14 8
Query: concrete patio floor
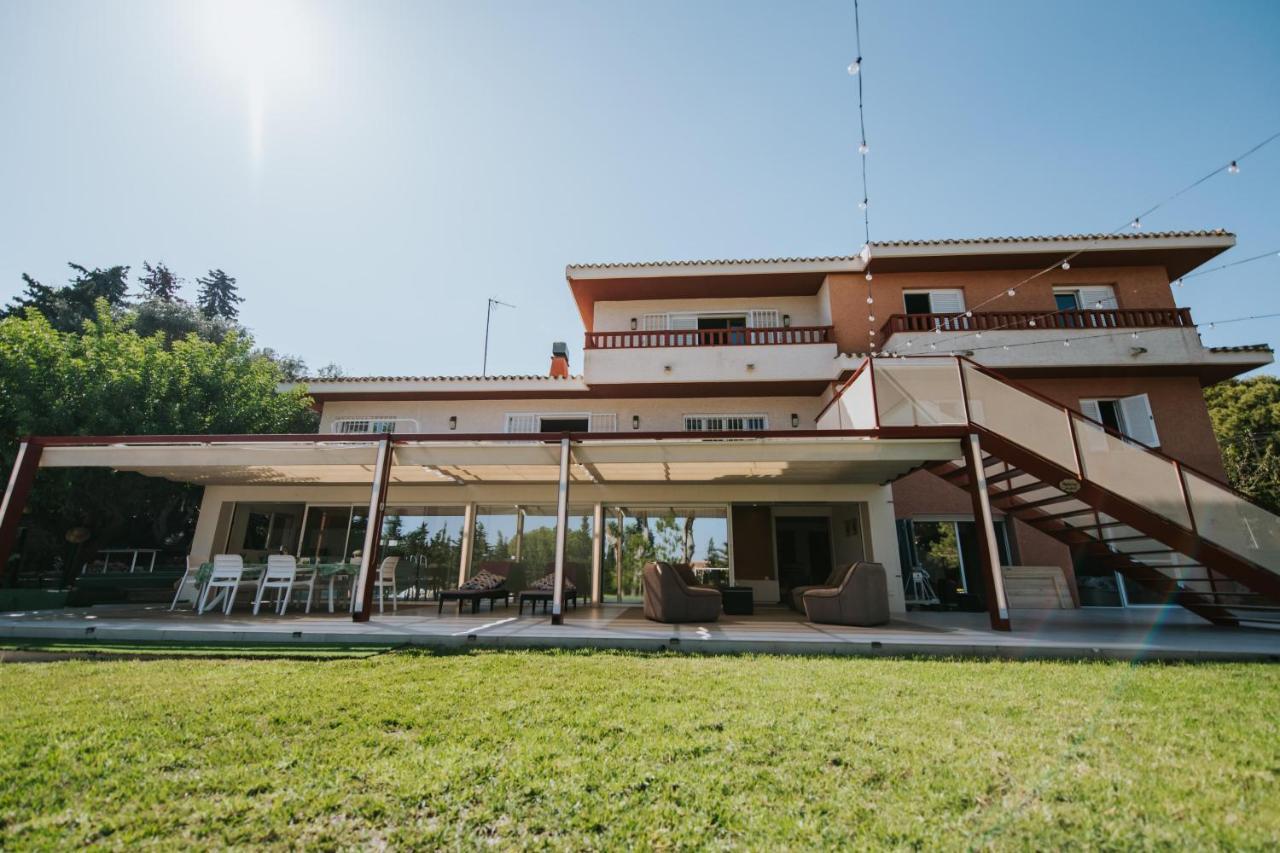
1136 634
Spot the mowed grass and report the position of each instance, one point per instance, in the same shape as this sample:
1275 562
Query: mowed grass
605 750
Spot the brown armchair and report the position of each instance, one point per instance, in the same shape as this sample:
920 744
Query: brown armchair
833 581
862 598
669 597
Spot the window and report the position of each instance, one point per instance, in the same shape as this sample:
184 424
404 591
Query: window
1097 298
373 424
725 423
937 302
756 318
562 422
933 301
1129 416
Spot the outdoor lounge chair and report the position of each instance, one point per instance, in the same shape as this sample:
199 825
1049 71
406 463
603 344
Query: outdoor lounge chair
862 598
669 597
543 589
487 584
833 581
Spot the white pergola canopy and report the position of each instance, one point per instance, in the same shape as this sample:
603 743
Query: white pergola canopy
836 460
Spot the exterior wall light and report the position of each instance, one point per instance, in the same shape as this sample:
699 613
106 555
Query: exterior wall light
453 422
786 320
633 324
751 367
635 422
795 420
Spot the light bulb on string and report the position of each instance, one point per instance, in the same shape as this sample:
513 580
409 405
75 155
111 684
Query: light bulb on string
933 346
855 66
871 318
863 148
908 343
968 313
1136 224
1006 346
871 300
1031 323
1010 291
1134 336
1178 282
1233 168
1066 265
1066 343
978 335
868 275
862 205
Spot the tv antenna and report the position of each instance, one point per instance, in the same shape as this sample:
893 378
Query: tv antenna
488 314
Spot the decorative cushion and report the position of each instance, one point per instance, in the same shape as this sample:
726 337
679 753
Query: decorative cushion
483 580
548 583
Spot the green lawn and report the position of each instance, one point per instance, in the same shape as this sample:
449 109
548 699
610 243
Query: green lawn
617 750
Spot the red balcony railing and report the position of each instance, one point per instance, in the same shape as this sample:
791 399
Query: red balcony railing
762 336
984 321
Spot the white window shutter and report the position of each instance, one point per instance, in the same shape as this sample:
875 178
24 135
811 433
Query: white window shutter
1139 423
682 322
765 318
604 422
1101 298
522 423
654 322
1091 410
946 301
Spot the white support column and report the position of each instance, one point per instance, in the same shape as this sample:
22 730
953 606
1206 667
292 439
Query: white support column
597 554
468 535
880 542
562 523
362 595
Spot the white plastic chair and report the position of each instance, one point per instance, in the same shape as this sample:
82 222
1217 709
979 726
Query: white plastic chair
279 575
228 571
387 578
190 584
305 578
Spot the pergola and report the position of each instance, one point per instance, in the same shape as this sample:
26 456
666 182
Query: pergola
563 460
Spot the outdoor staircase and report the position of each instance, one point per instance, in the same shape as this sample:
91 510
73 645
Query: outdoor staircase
1179 533
1172 575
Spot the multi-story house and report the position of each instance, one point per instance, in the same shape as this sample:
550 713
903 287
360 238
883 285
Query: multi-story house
949 408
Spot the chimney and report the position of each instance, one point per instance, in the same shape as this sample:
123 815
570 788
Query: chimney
560 360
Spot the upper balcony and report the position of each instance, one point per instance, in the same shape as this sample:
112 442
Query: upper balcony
1003 321
752 336
1135 340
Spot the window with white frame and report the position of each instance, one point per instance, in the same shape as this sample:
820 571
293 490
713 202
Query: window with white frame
1094 298
561 422
752 318
725 423
947 302
1129 416
363 424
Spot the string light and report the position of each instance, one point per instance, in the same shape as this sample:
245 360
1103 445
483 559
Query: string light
1066 343
863 148
1233 168
1136 222
1066 265
868 276
855 66
862 205
1221 267
1011 291
870 299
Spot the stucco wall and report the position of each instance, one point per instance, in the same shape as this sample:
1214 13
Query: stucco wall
655 414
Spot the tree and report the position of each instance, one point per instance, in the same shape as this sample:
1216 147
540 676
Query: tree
68 308
1246 419
106 379
218 295
716 557
159 283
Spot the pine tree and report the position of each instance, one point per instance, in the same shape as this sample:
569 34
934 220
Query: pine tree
159 283
38 296
111 284
218 296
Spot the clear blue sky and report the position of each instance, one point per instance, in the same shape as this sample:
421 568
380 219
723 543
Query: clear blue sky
371 171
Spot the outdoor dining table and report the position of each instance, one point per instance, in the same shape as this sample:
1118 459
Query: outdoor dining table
252 571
